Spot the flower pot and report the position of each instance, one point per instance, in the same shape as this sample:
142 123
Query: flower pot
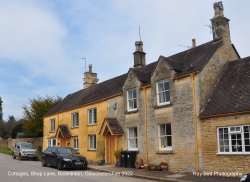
101 162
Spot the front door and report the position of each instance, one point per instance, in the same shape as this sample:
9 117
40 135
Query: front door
63 142
110 149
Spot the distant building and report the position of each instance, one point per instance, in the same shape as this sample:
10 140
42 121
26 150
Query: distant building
190 109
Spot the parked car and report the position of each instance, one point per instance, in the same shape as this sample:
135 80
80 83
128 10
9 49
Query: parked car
245 178
24 150
63 157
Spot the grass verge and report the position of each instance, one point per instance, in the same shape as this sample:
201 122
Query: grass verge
6 151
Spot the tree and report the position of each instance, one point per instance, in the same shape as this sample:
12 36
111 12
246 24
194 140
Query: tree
1 110
34 113
17 128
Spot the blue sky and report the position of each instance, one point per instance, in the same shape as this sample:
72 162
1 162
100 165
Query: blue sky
42 42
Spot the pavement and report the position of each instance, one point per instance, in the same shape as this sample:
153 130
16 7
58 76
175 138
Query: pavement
160 175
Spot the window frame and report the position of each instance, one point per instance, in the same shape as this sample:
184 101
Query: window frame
50 142
72 120
230 133
93 115
76 142
52 129
132 99
89 144
168 148
130 138
157 92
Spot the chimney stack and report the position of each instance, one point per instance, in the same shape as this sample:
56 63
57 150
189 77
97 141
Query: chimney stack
193 43
90 78
139 55
220 24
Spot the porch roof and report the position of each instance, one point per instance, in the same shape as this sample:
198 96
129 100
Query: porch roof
112 125
64 131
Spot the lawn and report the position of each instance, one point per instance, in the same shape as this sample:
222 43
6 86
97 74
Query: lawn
6 151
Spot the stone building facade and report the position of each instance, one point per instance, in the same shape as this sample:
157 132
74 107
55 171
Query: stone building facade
163 111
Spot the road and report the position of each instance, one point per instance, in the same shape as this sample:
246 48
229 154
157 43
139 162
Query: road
29 171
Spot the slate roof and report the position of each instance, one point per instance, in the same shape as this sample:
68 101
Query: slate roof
183 63
94 93
232 91
193 60
64 131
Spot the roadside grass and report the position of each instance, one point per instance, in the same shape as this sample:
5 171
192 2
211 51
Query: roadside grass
6 151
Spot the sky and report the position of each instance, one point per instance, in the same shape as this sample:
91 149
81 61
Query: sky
42 43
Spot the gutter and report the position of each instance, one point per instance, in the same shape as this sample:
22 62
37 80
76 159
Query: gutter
146 122
225 114
195 124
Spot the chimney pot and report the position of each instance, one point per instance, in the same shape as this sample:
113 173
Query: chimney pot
193 43
90 68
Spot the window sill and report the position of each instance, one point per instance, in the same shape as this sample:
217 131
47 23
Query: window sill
75 127
52 131
131 112
163 106
232 154
91 150
133 150
92 124
165 152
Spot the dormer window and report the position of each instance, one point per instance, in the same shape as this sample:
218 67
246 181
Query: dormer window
163 92
131 100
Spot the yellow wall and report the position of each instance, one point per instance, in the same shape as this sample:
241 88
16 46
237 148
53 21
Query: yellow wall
82 131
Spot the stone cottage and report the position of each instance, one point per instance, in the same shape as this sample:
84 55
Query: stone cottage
189 109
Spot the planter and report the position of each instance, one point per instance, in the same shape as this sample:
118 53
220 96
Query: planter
119 164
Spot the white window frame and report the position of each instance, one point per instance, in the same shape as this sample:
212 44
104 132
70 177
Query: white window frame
132 138
168 148
157 89
92 119
50 142
52 127
134 97
90 140
230 133
75 143
75 125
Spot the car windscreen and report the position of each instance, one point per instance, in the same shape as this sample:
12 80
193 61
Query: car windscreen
27 146
65 151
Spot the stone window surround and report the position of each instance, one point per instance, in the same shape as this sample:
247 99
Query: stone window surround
168 149
73 124
52 125
128 138
91 148
230 141
157 93
75 142
94 116
134 98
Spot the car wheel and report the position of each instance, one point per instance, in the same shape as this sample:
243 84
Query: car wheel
13 156
20 157
35 159
44 164
59 165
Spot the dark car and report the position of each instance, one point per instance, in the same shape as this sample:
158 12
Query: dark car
63 158
245 178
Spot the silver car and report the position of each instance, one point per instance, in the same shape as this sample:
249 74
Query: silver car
24 150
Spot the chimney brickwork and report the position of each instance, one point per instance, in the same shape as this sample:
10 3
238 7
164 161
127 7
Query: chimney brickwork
90 78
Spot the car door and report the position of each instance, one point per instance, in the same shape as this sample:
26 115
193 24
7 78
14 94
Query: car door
53 158
46 155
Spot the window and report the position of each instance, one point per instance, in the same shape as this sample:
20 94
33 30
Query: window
131 100
75 142
92 142
52 125
165 137
132 139
51 142
163 93
234 139
92 116
75 119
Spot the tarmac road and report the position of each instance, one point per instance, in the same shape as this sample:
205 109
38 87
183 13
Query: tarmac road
29 171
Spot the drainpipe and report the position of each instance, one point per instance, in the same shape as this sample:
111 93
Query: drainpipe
145 122
195 124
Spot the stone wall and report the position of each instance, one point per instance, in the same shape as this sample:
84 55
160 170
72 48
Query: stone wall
11 142
217 162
